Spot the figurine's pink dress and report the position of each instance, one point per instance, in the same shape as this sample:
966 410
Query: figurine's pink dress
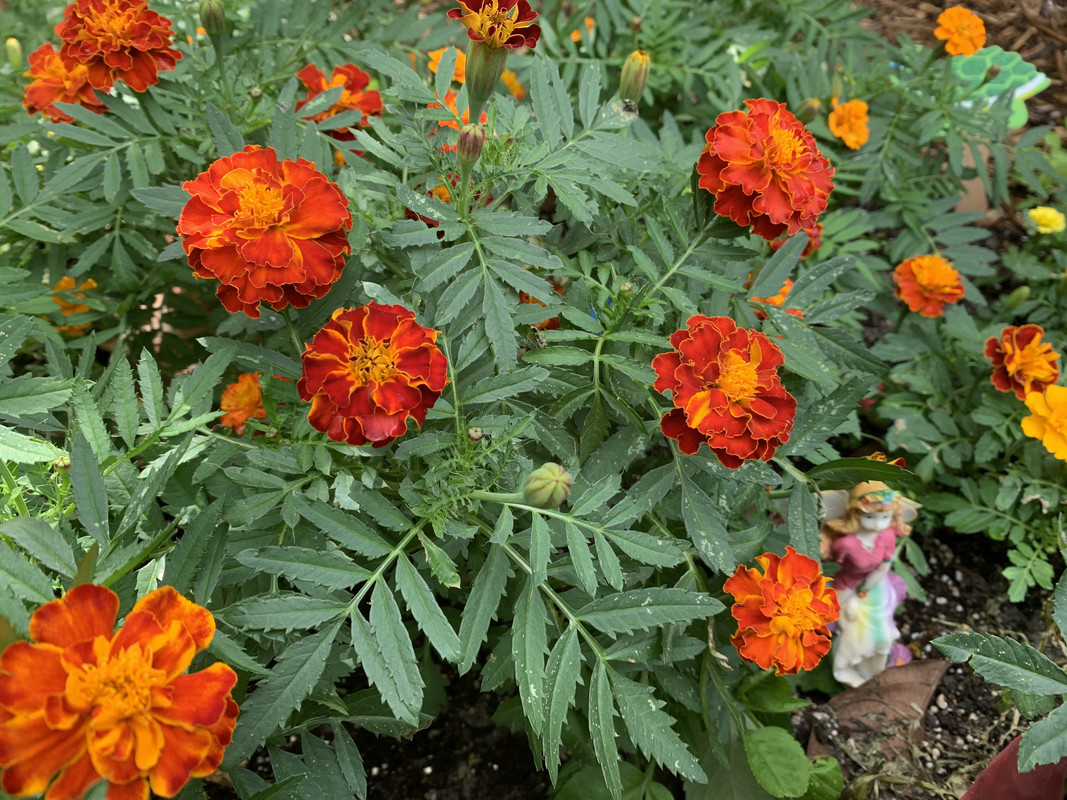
866 632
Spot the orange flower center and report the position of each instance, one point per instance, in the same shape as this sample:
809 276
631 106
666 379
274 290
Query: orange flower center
935 274
738 379
795 614
1031 361
259 206
120 684
372 360
783 148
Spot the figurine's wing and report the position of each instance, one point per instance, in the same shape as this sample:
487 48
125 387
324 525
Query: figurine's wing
909 509
834 503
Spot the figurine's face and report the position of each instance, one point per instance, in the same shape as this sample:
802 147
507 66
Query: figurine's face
876 520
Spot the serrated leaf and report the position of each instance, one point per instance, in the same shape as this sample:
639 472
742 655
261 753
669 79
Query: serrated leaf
1045 742
371 502
650 727
292 679
561 681
13 333
705 527
22 578
42 542
424 608
499 325
641 609
602 728
1005 662
506 384
481 606
589 96
344 528
581 558
151 388
90 497
23 450
803 521
608 560
90 423
540 549
659 552
332 570
379 674
205 378
283 612
124 402
228 140
444 265
778 761
529 644
817 423
440 563
350 761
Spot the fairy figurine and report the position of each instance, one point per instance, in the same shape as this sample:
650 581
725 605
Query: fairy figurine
860 533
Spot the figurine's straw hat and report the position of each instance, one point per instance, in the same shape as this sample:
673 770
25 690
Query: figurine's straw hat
871 493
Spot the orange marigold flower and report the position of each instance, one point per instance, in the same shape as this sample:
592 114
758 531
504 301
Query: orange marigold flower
82 703
778 300
515 86
271 231
1048 420
354 95
848 122
242 401
962 31
1022 363
927 284
590 25
368 371
548 324
498 23
765 170
117 40
54 82
725 387
69 309
782 612
459 72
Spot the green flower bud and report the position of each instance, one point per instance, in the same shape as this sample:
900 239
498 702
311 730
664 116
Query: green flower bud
548 486
469 147
634 75
808 109
1017 298
212 17
14 53
485 65
475 434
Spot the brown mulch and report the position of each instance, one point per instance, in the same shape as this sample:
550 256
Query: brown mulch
1035 29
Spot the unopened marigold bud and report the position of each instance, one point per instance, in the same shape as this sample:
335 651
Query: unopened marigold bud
469 147
808 109
548 486
14 53
63 462
475 434
626 288
1017 298
837 86
212 17
634 75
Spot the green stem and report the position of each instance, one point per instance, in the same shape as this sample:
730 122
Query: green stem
16 491
297 344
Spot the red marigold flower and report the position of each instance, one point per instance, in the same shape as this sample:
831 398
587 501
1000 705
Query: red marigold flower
1022 363
82 703
725 387
498 23
354 95
117 40
848 122
368 371
271 231
54 82
927 284
782 612
765 170
242 401
962 31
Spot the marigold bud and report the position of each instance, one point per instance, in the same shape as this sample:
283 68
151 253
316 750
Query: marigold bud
14 53
212 17
484 67
548 486
634 75
469 147
1017 298
808 109
475 434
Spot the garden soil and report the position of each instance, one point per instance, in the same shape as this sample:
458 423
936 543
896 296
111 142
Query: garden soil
463 755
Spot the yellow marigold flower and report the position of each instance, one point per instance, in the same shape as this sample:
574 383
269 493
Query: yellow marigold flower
515 86
67 308
848 122
962 31
83 703
1047 219
459 73
1049 419
576 34
242 400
